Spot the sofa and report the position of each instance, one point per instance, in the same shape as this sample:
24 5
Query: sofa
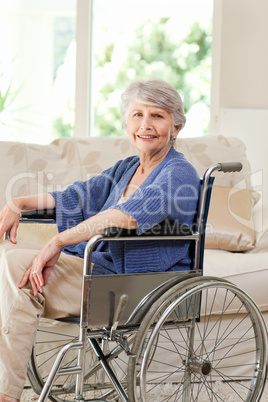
236 238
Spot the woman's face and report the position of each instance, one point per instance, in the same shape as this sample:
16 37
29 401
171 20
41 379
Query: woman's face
150 129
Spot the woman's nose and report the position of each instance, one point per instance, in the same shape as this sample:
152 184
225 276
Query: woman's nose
146 123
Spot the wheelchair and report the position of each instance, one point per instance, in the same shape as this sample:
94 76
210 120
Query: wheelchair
158 336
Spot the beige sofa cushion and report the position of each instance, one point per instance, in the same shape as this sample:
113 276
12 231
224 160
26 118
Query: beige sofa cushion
36 232
230 224
203 152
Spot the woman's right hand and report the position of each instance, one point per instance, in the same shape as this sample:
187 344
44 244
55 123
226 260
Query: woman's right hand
9 220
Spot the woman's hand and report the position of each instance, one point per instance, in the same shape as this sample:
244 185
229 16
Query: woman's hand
9 220
43 263
10 214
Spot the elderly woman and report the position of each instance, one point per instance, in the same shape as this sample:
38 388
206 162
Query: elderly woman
136 193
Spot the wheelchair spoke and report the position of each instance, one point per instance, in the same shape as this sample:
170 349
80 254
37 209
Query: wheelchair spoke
190 359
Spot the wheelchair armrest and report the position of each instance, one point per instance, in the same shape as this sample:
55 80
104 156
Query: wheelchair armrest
162 229
42 214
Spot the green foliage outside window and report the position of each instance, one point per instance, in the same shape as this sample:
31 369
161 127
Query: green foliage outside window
186 64
153 53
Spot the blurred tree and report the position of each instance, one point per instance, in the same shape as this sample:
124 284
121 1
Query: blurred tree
61 128
185 64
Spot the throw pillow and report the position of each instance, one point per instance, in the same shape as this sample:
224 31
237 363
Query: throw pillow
230 225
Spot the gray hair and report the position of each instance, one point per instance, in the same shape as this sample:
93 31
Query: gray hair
156 93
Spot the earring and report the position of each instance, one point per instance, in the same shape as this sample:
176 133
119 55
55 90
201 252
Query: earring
172 141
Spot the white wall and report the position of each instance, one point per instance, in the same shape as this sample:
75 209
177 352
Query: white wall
251 126
240 86
244 54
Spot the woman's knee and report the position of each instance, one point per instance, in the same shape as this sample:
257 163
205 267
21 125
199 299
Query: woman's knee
14 301
14 260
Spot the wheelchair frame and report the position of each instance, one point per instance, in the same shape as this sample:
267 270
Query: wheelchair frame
169 302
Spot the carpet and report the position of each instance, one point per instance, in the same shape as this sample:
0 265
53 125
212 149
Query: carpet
221 390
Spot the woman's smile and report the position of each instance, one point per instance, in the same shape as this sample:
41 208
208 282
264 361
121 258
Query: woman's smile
147 137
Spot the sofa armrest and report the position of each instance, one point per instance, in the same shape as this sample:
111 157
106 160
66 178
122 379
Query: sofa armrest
261 244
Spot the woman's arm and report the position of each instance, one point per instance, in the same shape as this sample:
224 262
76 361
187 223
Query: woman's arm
10 214
44 262
95 226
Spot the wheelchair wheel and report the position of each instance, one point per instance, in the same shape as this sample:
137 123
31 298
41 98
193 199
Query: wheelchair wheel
203 340
51 337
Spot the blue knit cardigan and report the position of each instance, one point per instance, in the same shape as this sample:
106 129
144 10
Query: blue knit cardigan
169 192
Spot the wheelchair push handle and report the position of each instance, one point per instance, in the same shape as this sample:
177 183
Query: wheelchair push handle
230 167
225 167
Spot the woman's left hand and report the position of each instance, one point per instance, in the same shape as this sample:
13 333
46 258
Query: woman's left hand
40 269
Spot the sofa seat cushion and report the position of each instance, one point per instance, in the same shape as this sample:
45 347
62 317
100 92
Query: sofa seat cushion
34 232
246 270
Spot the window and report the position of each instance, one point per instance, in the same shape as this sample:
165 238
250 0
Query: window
169 40
64 63
37 69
